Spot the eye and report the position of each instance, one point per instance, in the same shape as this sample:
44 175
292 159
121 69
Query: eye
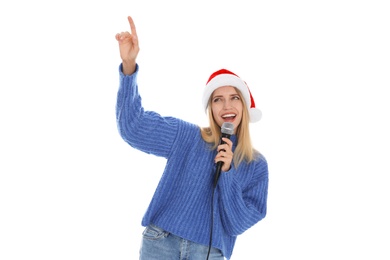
236 97
217 99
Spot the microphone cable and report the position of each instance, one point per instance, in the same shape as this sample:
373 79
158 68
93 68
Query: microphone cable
212 222
227 130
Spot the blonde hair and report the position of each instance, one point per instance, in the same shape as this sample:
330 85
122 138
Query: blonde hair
244 150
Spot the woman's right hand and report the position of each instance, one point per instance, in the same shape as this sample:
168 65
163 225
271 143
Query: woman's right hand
128 48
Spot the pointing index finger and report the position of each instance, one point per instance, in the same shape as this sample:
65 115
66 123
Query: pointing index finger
132 26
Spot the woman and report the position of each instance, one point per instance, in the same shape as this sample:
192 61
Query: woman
188 217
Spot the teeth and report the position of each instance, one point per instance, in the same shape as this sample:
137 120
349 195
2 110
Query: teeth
229 115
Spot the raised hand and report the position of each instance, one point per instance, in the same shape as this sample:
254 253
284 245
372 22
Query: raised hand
128 48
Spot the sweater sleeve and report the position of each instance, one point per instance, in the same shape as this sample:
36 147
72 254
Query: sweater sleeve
144 130
241 208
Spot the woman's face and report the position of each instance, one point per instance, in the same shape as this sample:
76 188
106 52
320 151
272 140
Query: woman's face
226 106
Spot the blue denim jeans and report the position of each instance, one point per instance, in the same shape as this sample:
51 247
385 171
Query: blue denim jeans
158 244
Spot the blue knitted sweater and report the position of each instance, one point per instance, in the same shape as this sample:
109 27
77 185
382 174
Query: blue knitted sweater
181 203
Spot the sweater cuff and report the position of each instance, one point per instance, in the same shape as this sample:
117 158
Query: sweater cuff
123 75
226 178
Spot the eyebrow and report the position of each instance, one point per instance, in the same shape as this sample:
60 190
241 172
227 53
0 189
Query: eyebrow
236 94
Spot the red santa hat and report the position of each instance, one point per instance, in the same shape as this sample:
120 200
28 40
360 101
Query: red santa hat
224 77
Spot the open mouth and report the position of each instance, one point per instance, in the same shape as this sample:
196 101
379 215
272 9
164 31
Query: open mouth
229 116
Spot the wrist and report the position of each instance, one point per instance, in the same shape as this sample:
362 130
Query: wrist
128 67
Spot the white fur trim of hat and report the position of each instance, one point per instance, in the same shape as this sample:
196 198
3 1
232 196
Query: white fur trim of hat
224 77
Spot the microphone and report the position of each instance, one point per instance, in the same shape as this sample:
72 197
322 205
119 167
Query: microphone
227 130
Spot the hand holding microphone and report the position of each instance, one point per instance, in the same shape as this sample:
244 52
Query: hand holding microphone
225 154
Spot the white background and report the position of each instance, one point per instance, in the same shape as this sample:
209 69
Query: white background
71 188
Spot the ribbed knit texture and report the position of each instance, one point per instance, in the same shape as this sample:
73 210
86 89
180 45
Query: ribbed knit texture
181 203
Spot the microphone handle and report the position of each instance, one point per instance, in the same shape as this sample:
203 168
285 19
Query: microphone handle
217 173
219 164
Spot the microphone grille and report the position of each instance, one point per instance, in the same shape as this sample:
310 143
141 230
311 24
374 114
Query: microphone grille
227 128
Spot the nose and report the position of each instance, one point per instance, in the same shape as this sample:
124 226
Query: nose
227 104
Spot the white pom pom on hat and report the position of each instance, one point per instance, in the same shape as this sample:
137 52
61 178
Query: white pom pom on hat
224 77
